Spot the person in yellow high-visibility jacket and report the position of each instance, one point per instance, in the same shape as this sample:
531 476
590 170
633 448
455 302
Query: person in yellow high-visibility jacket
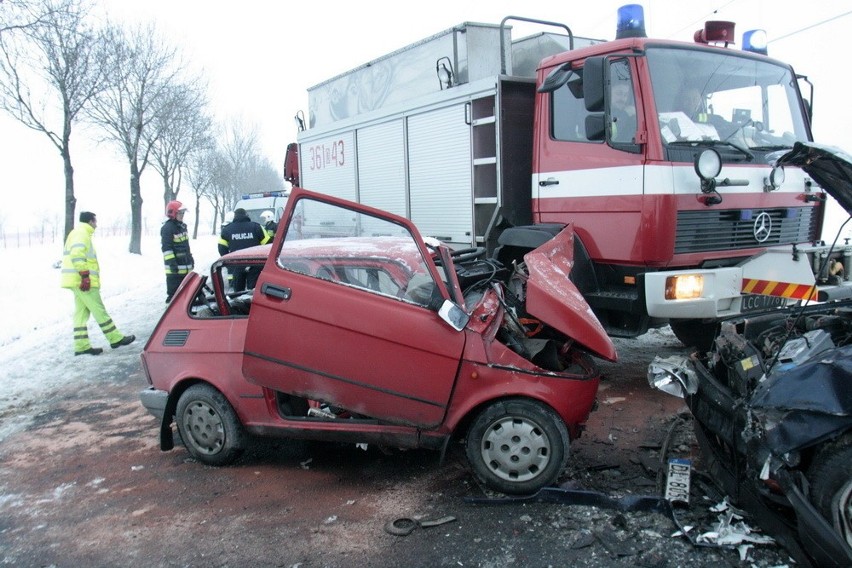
81 275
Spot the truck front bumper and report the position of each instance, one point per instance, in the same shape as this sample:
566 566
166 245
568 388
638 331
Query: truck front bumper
779 276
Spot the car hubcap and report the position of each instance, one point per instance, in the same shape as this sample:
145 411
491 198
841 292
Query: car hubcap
204 427
515 449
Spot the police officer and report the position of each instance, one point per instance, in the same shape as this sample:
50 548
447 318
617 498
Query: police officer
239 234
269 225
175 245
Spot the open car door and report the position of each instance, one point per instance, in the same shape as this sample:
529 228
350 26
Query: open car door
345 312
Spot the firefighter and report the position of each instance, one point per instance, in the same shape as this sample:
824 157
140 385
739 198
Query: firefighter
692 103
177 257
623 112
81 275
239 234
269 224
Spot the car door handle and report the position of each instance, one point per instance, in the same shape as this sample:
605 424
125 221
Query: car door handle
548 181
276 291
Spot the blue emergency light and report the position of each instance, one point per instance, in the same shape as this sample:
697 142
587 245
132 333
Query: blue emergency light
631 22
755 41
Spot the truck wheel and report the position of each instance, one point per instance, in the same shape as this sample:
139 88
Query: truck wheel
517 446
208 426
830 479
695 333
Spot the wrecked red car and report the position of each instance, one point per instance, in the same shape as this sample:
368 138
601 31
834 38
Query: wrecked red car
359 331
772 402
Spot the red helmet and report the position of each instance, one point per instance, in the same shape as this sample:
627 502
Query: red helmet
172 209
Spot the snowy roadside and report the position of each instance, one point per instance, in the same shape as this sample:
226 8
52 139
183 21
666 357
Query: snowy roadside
37 354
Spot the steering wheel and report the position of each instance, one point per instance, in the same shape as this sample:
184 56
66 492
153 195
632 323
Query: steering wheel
468 254
461 256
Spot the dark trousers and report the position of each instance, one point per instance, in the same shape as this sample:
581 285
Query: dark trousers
246 278
172 283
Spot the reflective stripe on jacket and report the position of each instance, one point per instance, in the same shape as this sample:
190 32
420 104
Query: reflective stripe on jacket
174 240
80 255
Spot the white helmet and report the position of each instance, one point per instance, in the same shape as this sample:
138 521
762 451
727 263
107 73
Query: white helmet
267 216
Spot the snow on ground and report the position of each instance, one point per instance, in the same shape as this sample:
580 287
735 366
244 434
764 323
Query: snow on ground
36 348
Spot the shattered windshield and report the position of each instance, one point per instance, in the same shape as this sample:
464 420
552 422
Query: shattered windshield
704 96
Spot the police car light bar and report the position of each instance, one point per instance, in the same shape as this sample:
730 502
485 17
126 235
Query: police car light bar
265 194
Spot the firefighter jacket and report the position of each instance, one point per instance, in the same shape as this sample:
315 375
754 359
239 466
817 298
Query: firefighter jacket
175 245
242 233
80 255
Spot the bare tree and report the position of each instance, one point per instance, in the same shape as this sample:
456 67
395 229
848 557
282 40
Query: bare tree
220 191
260 175
252 173
200 170
239 148
181 127
143 70
17 15
49 72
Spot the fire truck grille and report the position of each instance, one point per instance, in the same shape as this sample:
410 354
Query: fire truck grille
699 231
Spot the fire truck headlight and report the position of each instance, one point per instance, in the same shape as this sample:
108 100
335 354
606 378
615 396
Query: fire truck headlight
684 287
708 164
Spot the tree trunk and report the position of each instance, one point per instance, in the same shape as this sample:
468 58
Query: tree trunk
197 211
135 210
168 194
70 200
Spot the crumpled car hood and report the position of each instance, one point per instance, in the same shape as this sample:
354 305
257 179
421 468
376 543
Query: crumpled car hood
553 298
807 403
831 167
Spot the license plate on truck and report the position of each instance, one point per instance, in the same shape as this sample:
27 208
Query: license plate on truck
677 480
759 302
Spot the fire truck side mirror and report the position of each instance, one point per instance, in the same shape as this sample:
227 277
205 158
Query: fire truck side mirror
593 84
595 126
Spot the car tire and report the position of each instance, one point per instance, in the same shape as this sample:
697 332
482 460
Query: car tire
208 426
517 446
830 478
695 333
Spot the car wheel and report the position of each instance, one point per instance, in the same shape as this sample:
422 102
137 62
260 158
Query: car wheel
208 426
695 333
830 479
517 446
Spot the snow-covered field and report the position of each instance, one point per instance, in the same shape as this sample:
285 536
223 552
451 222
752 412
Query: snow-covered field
36 352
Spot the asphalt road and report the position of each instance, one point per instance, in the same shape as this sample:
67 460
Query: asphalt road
85 484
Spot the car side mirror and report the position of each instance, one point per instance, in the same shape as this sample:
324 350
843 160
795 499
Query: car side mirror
453 315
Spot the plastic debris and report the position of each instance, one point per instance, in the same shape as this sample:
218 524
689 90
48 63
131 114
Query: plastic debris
726 532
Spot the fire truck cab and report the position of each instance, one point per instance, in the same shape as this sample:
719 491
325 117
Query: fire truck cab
660 154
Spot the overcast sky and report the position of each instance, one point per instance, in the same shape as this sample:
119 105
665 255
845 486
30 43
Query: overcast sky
261 56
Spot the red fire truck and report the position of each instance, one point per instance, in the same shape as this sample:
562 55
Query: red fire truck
661 155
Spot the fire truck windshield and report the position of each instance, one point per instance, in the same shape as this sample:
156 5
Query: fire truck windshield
725 96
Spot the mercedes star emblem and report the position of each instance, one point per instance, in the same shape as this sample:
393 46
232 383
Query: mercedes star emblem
762 227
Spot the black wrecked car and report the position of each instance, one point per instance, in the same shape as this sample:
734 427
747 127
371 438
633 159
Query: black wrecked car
772 404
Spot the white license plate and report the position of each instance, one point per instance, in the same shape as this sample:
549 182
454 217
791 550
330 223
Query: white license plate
758 302
677 480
